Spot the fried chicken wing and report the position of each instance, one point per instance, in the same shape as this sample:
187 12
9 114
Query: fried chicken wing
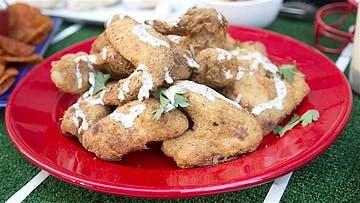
109 59
83 114
148 50
217 69
201 27
221 131
261 90
130 127
71 73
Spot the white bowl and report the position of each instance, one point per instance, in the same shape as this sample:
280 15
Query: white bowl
253 13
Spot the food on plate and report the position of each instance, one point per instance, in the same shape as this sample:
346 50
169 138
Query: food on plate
220 131
130 127
217 68
207 97
202 28
84 114
27 24
15 47
7 78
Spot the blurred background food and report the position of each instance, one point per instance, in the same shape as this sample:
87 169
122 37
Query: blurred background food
22 28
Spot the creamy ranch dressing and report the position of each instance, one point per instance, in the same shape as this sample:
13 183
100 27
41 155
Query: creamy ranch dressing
228 74
174 38
222 54
280 87
98 101
203 90
168 78
240 73
127 120
238 98
79 114
191 62
147 83
104 52
124 90
89 59
140 30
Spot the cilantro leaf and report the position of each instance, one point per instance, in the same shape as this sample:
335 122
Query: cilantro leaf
100 82
287 72
307 118
292 123
179 101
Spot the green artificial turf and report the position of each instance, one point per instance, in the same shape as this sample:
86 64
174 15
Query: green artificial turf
332 177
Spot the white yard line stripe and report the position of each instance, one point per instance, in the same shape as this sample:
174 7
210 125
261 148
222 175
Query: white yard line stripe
21 194
66 33
278 187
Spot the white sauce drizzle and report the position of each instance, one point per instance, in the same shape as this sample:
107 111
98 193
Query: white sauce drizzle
98 101
168 78
280 86
172 21
203 90
147 83
240 73
228 74
174 38
140 30
127 120
78 76
79 114
191 62
238 98
222 54
277 101
124 90
104 52
220 17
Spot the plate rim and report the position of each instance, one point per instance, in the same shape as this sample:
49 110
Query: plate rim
291 164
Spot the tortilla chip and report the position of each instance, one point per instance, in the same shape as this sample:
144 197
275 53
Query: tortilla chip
15 47
8 73
34 58
7 84
2 68
27 24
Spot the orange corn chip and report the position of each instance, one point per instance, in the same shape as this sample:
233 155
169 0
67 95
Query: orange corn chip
15 47
6 84
34 58
2 68
27 24
8 73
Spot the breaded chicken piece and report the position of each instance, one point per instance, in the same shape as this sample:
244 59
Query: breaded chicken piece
202 28
218 68
254 46
109 59
221 131
260 89
130 127
83 114
252 91
148 50
71 73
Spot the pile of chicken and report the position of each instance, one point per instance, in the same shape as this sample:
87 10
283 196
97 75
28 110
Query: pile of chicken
232 100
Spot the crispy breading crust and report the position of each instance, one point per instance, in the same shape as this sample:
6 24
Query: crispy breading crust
110 140
220 132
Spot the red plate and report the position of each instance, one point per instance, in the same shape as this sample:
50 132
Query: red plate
36 105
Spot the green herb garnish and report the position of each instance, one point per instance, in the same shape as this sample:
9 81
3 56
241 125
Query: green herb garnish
179 101
100 82
307 118
287 72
